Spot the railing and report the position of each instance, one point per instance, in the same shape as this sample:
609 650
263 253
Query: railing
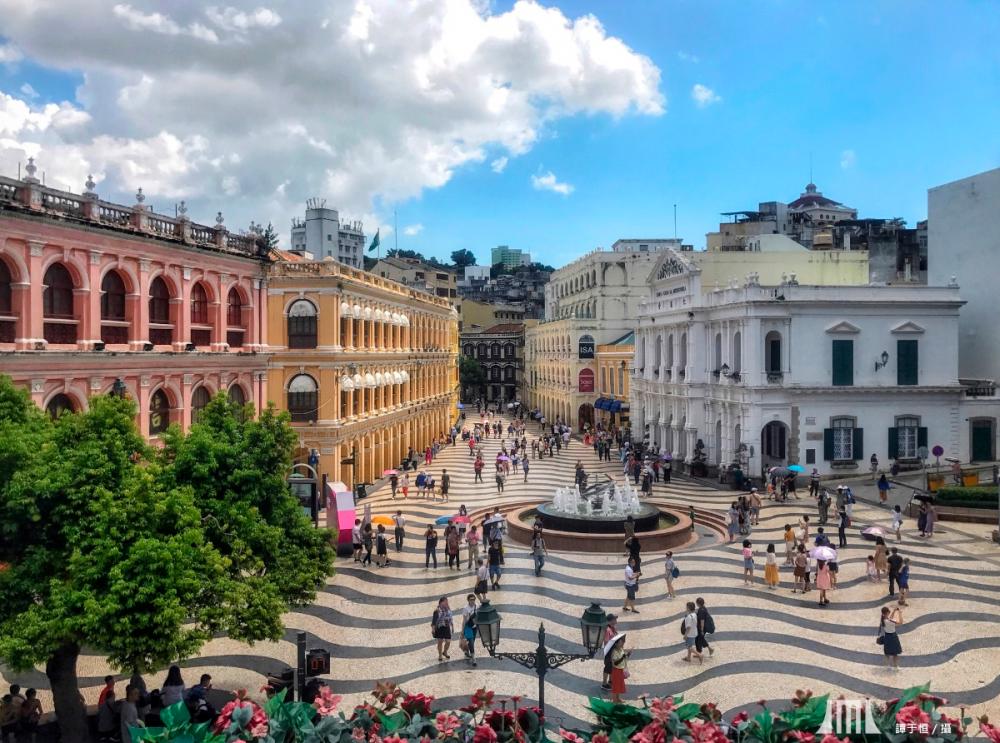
164 227
113 215
60 203
202 234
8 192
981 389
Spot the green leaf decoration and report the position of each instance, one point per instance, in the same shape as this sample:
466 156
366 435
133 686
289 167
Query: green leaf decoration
392 722
809 716
909 695
688 711
175 715
621 735
273 704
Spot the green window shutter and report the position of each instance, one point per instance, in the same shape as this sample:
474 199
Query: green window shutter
858 445
828 444
893 443
843 363
906 362
922 436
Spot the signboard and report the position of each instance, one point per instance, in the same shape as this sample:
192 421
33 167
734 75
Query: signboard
586 380
587 347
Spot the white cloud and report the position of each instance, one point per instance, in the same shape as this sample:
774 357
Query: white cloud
499 165
28 91
688 57
847 159
413 229
548 182
9 54
384 101
704 96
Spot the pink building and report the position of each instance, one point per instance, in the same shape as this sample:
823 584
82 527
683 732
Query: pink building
92 292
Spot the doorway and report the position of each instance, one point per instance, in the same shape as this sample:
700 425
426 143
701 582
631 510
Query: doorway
982 439
585 416
773 440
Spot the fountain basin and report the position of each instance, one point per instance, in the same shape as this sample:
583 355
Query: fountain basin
647 519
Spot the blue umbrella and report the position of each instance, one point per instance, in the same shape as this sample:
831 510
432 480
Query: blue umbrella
443 520
796 468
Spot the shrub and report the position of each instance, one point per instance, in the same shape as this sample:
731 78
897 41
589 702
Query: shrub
965 497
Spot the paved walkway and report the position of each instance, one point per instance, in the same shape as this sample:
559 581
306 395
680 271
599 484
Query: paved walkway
768 643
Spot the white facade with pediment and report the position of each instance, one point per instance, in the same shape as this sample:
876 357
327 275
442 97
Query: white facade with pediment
821 376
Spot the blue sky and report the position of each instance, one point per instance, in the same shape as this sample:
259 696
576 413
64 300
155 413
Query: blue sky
886 99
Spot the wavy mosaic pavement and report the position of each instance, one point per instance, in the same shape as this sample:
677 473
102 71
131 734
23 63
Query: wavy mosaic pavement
768 643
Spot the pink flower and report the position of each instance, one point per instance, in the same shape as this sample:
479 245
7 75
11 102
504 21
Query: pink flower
652 733
394 739
911 714
446 724
661 708
600 738
570 736
484 734
706 732
802 736
831 738
327 702
990 731
260 730
741 717
358 734
417 704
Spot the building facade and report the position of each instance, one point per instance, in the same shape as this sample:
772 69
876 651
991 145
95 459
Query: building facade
366 367
93 292
419 275
788 374
614 375
510 257
322 235
499 350
478 316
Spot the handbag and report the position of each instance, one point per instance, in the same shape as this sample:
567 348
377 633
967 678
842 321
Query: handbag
675 573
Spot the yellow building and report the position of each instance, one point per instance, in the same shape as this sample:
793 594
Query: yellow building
363 365
420 275
614 370
477 316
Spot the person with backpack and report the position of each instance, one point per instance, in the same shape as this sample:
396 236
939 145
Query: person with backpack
394 484
689 631
538 551
468 641
430 546
399 530
442 627
609 634
368 540
381 547
671 572
445 484
452 545
706 626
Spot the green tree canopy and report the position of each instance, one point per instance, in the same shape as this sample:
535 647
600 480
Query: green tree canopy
142 555
462 258
472 376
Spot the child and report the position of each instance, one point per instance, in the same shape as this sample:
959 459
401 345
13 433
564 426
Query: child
872 570
897 522
903 580
671 569
789 544
747 563
771 568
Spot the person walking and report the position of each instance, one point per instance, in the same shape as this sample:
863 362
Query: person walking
524 466
482 578
394 484
895 565
670 572
903 580
883 488
897 522
453 545
881 559
477 468
609 634
823 581
814 483
689 627
747 553
356 541
368 541
468 641
501 478
823 506
472 546
430 546
734 521
755 504
631 585
442 626
800 570
619 668
445 485
789 536
399 529
771 568
538 551
667 466
706 627
381 547
842 528
888 638
406 484
494 556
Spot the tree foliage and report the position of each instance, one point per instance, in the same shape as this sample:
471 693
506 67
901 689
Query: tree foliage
462 258
471 375
142 554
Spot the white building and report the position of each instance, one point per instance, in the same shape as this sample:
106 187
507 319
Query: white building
322 235
963 241
819 376
473 275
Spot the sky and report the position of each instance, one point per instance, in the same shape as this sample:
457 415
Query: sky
555 128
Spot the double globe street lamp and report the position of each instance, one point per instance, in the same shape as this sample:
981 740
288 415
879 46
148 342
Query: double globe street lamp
592 624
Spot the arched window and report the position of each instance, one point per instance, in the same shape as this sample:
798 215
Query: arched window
113 309
495 350
467 350
57 304
495 374
159 413
60 404
161 332
508 351
302 324
737 354
199 316
303 398
7 321
481 351
234 319
199 399
237 396
508 374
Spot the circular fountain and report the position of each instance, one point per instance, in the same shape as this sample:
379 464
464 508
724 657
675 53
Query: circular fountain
601 508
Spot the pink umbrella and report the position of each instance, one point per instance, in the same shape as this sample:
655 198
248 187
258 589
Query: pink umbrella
874 531
387 473
461 520
503 458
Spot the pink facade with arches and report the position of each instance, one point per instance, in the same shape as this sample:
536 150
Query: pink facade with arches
92 292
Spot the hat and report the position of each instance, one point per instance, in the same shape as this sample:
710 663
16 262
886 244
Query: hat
753 490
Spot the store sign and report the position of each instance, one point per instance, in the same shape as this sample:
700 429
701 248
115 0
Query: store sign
587 347
586 380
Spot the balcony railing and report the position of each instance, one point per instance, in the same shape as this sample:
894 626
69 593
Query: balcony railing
774 377
981 388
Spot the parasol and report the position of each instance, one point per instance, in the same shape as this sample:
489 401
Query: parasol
611 643
873 531
461 519
780 471
923 497
823 553
383 519
442 520
796 468
387 473
498 519
503 458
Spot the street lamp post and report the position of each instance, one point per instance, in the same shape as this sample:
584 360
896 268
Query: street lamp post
592 623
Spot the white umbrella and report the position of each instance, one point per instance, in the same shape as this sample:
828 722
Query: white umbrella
611 643
498 519
829 554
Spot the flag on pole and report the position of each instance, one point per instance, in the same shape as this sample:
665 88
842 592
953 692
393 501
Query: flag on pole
375 243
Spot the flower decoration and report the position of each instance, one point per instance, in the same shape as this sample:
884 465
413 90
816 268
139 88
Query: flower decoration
484 734
992 732
661 708
417 704
446 724
652 733
569 736
327 702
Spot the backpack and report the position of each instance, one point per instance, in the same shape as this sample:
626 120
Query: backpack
440 619
709 624
684 632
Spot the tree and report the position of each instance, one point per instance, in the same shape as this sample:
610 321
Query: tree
498 269
472 376
463 258
113 546
269 237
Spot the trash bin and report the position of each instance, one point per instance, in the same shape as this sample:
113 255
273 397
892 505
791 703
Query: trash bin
361 490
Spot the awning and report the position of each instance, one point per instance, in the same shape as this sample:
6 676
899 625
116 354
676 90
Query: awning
602 403
616 406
